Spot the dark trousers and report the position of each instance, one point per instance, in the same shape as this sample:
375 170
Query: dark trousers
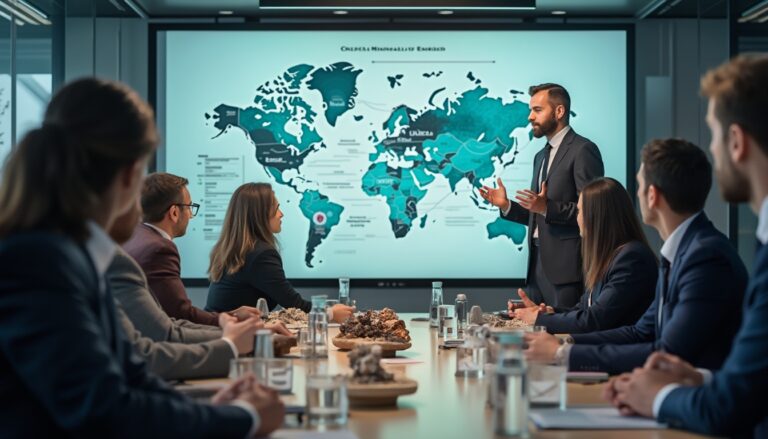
540 289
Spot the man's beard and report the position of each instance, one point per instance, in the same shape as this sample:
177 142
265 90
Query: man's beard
734 187
546 128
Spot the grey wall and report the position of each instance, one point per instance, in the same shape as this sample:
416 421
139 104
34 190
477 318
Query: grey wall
670 57
118 51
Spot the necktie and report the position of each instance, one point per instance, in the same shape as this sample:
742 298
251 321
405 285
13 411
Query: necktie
664 280
544 166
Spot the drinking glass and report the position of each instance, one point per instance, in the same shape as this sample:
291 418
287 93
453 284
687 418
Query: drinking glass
327 403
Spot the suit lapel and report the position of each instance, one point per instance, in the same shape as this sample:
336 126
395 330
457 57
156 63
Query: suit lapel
562 150
697 223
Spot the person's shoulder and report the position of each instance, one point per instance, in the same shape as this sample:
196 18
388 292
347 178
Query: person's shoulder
262 253
123 262
43 244
579 141
26 251
636 253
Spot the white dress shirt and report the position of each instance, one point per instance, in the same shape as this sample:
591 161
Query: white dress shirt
162 232
555 143
762 223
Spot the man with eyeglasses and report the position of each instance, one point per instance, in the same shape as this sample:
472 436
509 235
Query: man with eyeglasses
168 207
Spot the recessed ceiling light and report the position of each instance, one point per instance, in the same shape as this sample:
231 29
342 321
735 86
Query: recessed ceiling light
445 12
558 12
226 12
341 12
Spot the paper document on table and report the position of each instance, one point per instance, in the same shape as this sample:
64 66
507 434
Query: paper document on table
305 434
401 360
602 418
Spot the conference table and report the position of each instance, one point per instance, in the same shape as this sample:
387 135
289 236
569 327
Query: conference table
446 406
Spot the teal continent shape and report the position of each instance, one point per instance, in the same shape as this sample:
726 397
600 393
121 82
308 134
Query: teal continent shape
401 192
323 216
337 85
460 139
512 230
278 104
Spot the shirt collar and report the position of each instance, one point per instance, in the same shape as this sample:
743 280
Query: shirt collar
557 139
762 223
162 232
100 248
672 244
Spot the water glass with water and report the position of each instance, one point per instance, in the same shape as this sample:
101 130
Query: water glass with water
509 389
303 342
262 344
443 311
241 366
318 327
263 307
344 291
437 300
327 403
275 373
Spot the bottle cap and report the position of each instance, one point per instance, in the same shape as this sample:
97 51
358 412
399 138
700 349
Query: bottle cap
461 297
437 284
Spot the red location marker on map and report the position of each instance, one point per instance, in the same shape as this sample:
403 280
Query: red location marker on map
319 218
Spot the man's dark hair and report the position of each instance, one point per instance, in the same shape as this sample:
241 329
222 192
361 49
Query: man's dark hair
739 88
557 94
680 171
161 191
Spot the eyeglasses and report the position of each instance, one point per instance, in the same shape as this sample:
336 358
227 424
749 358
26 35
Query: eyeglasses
193 207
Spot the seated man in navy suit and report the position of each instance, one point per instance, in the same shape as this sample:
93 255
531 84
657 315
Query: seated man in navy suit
701 282
730 402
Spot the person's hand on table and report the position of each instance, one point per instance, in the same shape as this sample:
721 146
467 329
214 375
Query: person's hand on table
245 312
542 347
263 400
341 312
279 328
240 333
267 403
528 305
637 392
496 196
610 394
683 371
530 200
527 315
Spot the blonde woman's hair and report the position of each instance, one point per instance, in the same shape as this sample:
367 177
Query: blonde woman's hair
245 224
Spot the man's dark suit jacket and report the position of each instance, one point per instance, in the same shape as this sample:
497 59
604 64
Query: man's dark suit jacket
734 402
159 258
576 163
621 297
701 312
261 276
66 369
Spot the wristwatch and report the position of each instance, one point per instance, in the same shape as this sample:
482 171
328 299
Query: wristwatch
567 339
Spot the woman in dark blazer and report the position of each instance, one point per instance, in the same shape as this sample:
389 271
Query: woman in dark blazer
66 367
620 270
245 263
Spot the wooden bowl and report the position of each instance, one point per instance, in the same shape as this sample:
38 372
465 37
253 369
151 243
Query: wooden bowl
389 348
379 394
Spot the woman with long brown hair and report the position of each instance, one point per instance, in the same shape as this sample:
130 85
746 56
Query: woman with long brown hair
619 267
245 262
